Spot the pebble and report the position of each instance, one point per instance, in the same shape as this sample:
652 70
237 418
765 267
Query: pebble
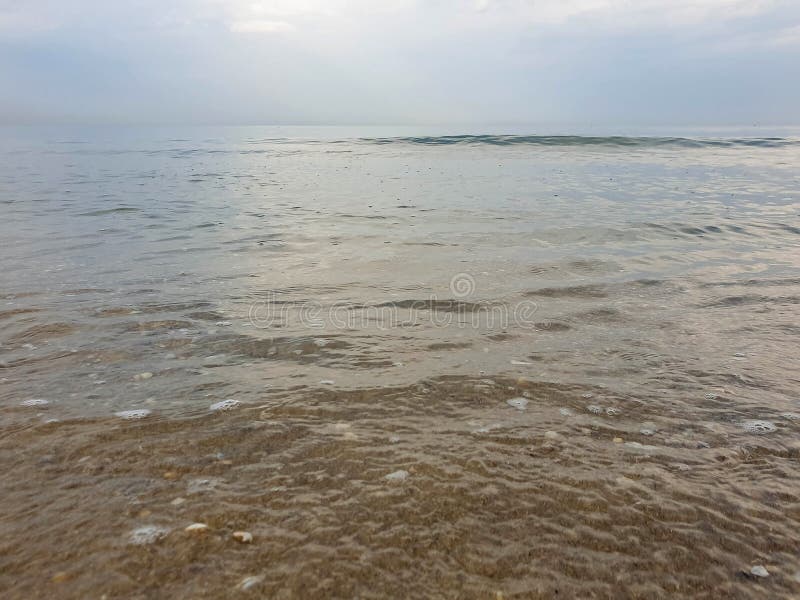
617 440
759 427
149 534
142 376
228 404
520 363
327 382
400 475
518 403
759 571
131 415
551 435
245 537
34 402
178 501
646 431
60 577
197 528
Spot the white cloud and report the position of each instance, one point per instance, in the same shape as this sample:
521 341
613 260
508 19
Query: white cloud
260 26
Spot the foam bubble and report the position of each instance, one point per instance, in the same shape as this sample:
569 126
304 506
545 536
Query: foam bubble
228 404
149 534
34 402
759 427
518 403
131 415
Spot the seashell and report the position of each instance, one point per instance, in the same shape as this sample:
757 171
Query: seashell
400 475
518 403
244 537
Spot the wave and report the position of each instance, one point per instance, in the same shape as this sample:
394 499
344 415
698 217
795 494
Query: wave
578 140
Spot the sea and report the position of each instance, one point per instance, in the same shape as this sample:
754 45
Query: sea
407 362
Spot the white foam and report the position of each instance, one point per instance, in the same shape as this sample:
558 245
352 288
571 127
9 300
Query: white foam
34 402
228 404
149 534
759 427
131 415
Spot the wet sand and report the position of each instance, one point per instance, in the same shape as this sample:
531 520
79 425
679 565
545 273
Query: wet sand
553 500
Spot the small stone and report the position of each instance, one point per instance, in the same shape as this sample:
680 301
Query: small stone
244 537
702 445
149 534
618 440
178 501
60 577
197 528
142 376
759 571
34 402
520 363
224 405
133 415
646 431
551 435
397 476
327 382
518 403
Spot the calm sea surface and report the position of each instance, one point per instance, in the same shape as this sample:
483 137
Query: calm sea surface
490 366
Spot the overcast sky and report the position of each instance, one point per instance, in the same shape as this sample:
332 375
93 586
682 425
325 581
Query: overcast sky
650 62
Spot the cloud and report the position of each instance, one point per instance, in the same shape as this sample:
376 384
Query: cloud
401 60
260 26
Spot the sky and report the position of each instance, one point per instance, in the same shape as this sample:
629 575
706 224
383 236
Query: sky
603 62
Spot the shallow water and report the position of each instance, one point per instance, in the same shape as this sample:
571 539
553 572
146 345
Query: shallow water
575 358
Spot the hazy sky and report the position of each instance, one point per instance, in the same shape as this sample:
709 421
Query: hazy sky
401 61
